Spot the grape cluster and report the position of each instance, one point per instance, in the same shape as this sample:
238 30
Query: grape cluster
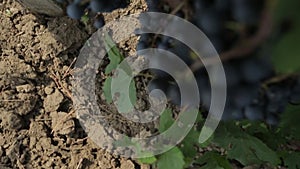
221 21
77 8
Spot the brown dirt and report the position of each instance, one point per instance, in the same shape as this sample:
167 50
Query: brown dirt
38 128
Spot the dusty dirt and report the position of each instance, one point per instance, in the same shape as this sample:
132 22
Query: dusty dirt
38 128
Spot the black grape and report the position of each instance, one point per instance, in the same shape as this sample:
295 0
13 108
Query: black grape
173 94
254 112
159 84
210 22
244 95
232 75
295 94
295 98
237 114
99 23
232 113
101 5
247 11
97 5
255 70
75 11
278 97
272 120
223 5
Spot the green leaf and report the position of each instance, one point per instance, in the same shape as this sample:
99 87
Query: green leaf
123 91
286 53
148 160
243 147
107 90
287 9
213 160
261 131
85 19
289 124
166 120
291 160
172 159
123 106
113 53
188 146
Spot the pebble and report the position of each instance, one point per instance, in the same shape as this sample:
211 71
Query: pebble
48 90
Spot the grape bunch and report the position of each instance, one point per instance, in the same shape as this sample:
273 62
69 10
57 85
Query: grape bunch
226 23
78 8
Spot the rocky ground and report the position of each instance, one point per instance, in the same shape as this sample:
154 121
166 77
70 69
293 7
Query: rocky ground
38 127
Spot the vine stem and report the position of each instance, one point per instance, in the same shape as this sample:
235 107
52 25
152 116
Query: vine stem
247 46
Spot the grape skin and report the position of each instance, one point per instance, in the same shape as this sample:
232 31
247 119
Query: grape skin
75 11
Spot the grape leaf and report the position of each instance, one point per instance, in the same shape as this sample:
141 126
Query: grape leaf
172 159
123 87
261 131
213 160
287 9
290 121
107 90
286 52
123 106
115 58
188 146
291 160
243 147
148 160
166 120
113 53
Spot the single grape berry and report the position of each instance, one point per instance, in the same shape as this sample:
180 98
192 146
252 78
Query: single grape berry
255 70
254 112
75 11
247 11
272 120
244 95
295 95
210 22
99 23
96 6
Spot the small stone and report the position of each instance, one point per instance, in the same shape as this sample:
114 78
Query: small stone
145 166
48 90
25 88
127 165
13 121
52 102
65 57
62 124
